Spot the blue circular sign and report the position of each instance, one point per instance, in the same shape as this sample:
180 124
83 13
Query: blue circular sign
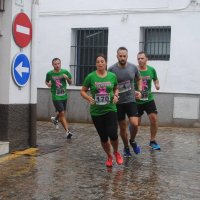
21 69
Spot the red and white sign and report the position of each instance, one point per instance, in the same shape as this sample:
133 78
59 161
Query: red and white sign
22 30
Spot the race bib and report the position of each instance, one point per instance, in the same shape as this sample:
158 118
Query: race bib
60 91
102 99
144 96
124 86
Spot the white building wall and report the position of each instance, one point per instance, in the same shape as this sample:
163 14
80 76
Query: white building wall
179 95
5 52
17 108
10 92
178 75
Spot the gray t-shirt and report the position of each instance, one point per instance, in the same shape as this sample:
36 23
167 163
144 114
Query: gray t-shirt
125 77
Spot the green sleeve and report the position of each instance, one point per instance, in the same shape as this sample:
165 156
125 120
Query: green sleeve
68 74
154 75
87 81
48 77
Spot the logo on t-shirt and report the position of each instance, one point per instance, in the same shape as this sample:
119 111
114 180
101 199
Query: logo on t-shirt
102 97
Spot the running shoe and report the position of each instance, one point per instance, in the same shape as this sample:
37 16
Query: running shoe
136 148
109 161
68 135
154 145
127 152
118 158
55 122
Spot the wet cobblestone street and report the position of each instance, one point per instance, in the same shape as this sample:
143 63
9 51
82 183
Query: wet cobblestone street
75 169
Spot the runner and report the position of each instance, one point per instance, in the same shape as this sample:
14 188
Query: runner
103 99
147 103
56 80
126 74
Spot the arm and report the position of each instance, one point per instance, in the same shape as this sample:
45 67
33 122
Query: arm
48 84
138 94
139 84
69 80
48 81
116 95
84 94
156 83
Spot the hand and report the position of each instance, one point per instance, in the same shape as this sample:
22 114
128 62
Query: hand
49 84
115 99
91 100
65 76
138 95
157 86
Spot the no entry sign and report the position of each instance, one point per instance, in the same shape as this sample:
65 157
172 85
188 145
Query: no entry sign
22 30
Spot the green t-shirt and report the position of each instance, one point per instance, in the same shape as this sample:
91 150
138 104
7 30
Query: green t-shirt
147 77
102 91
59 85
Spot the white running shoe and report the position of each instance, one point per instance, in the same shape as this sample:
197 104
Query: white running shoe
55 122
68 135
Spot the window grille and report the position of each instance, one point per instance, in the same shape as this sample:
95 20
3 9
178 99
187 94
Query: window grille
2 5
86 44
155 41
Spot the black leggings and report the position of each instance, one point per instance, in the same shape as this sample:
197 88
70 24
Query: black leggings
106 126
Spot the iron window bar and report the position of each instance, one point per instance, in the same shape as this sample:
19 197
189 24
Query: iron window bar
88 42
2 5
156 42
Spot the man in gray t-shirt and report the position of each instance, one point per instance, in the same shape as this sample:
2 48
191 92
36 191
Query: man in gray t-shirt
125 77
126 74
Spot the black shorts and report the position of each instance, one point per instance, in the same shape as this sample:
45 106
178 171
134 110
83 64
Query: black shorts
149 107
60 105
106 126
129 109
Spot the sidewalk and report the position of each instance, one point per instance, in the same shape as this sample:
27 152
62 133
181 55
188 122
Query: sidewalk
75 169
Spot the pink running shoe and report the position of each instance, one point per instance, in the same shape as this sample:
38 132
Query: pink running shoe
109 161
119 158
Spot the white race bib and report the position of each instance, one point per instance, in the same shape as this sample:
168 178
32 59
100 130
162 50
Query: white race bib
124 86
144 96
102 99
60 91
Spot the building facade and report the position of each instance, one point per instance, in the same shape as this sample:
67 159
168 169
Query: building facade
167 30
18 92
75 31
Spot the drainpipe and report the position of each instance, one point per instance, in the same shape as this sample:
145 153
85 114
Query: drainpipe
33 82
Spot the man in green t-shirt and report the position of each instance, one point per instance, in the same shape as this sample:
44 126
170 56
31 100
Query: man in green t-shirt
56 80
146 102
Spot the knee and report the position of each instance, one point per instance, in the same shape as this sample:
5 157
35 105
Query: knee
114 137
61 114
104 140
123 128
153 120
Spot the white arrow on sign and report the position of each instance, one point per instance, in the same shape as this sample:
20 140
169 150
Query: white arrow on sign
21 69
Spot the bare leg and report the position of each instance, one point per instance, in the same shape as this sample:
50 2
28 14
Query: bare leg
153 125
57 116
123 132
106 147
134 127
115 144
63 120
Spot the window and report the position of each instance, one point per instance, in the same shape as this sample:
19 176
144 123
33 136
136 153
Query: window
155 41
86 44
2 4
